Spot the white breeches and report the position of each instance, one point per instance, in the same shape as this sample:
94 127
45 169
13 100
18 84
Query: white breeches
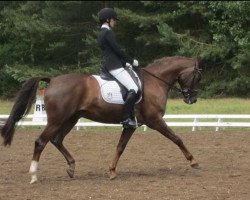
124 78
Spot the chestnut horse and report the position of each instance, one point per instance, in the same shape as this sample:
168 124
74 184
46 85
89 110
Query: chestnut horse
72 96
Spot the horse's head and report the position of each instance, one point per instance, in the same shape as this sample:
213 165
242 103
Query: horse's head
188 80
181 69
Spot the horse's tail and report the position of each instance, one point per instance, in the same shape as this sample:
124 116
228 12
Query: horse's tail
22 105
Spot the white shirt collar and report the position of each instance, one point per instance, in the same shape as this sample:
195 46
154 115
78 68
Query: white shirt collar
105 26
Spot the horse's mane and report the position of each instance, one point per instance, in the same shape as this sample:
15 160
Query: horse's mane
167 59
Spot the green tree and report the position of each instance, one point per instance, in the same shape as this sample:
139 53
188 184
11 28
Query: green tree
44 37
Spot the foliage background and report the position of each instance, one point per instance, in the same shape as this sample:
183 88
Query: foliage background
57 37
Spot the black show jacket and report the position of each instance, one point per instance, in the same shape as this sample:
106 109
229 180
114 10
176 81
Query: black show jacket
113 56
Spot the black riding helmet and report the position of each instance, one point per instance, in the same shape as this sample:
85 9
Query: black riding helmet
106 13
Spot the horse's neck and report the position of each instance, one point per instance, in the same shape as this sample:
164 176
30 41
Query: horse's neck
167 74
158 85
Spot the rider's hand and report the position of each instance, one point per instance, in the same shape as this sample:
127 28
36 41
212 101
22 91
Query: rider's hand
135 63
129 66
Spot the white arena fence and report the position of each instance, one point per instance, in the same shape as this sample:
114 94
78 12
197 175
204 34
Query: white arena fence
197 121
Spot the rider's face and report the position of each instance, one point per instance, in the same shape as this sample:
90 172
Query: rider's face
112 22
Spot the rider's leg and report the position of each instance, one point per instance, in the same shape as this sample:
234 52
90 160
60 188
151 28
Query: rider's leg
128 112
125 79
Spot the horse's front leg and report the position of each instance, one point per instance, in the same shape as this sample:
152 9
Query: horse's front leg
162 127
126 135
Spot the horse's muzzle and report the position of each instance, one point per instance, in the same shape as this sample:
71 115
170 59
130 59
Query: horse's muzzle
189 96
190 100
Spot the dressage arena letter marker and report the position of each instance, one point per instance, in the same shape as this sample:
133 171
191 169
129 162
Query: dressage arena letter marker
39 110
37 107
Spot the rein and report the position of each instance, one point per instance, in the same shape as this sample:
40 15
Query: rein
167 83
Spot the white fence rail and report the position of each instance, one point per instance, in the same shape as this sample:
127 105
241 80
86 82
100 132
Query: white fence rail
197 121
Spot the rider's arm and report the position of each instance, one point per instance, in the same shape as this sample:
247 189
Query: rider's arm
117 50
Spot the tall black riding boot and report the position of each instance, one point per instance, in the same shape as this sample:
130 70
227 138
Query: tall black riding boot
128 112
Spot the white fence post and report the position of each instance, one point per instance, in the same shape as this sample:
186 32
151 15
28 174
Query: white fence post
195 124
219 122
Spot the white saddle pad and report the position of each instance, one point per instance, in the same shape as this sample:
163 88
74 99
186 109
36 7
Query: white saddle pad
110 91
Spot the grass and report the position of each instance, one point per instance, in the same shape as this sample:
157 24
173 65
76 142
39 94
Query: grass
5 107
177 106
209 106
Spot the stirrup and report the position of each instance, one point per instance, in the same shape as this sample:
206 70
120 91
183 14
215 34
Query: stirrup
129 123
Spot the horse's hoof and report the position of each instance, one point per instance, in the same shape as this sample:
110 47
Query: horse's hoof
195 166
33 179
71 172
113 175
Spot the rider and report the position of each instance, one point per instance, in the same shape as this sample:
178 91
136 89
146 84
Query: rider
114 61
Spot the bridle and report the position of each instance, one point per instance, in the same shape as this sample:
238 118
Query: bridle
190 92
187 93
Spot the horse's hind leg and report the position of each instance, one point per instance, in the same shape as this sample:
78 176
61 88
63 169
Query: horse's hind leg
167 132
57 140
70 160
126 135
40 144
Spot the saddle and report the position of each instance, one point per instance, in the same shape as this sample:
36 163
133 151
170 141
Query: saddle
113 91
